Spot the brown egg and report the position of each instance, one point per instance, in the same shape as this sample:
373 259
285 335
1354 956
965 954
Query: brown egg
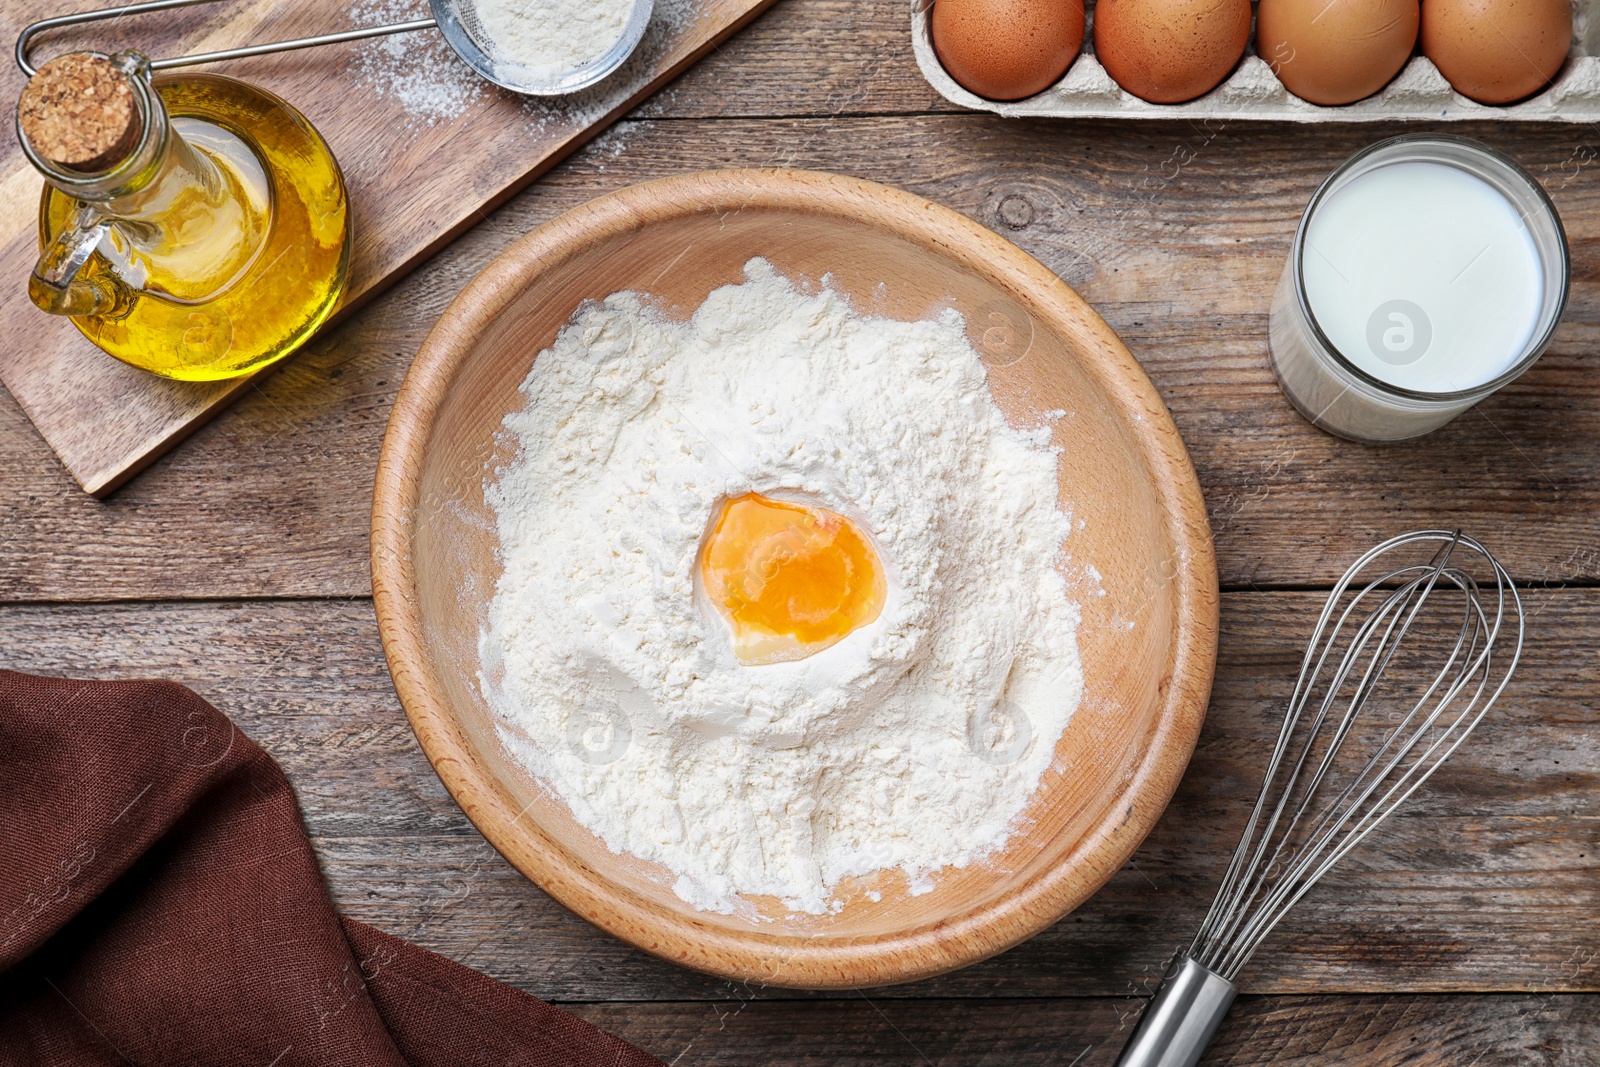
1336 51
1497 51
1007 49
1169 51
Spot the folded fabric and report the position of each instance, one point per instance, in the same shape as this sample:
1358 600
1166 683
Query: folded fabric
160 903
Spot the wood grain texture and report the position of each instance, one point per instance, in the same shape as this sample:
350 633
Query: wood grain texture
1393 1031
1147 635
855 59
272 498
412 189
1487 881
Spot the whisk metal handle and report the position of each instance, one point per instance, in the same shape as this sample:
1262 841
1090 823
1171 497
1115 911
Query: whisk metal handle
25 38
1182 1017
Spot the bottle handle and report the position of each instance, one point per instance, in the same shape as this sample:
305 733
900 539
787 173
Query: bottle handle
56 286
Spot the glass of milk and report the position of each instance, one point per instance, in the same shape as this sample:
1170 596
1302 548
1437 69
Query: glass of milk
1427 272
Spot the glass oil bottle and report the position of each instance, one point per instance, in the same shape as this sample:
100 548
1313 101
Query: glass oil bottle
207 233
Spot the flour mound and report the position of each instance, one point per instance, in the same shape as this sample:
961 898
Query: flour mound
914 743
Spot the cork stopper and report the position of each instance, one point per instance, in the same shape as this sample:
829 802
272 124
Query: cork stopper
79 113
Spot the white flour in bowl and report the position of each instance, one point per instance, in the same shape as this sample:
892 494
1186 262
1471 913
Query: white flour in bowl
912 744
548 38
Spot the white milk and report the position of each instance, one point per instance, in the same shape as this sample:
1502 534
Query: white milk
1423 276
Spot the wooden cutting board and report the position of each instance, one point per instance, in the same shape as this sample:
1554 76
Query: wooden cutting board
427 149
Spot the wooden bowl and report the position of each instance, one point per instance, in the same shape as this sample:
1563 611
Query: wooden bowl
1147 639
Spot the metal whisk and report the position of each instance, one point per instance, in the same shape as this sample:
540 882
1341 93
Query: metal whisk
1315 807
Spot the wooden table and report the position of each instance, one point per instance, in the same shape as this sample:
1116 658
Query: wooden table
1465 933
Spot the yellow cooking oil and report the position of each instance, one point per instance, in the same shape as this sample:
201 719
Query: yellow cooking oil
222 277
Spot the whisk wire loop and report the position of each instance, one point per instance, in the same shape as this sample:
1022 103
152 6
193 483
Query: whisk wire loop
1315 804
1303 821
1251 888
1227 896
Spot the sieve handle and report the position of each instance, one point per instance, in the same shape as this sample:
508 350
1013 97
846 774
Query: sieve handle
25 38
1182 1018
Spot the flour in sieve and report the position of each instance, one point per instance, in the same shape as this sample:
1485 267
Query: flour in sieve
914 743
547 38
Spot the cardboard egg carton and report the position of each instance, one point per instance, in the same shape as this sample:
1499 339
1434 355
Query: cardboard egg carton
1252 91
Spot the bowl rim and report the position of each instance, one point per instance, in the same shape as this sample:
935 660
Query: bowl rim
798 961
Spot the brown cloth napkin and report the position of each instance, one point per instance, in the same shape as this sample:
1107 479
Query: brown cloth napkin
160 904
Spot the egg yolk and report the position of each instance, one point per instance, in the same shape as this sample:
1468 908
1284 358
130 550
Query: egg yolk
790 580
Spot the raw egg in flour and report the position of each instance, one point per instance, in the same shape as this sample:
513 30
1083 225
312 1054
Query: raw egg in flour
790 580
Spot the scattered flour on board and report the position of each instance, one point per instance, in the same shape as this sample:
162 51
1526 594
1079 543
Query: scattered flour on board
417 70
914 743
433 85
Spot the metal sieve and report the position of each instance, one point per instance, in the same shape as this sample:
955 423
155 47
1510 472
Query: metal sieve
456 19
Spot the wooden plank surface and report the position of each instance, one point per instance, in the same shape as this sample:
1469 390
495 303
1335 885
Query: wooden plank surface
426 150
1481 877
273 500
1449 1031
